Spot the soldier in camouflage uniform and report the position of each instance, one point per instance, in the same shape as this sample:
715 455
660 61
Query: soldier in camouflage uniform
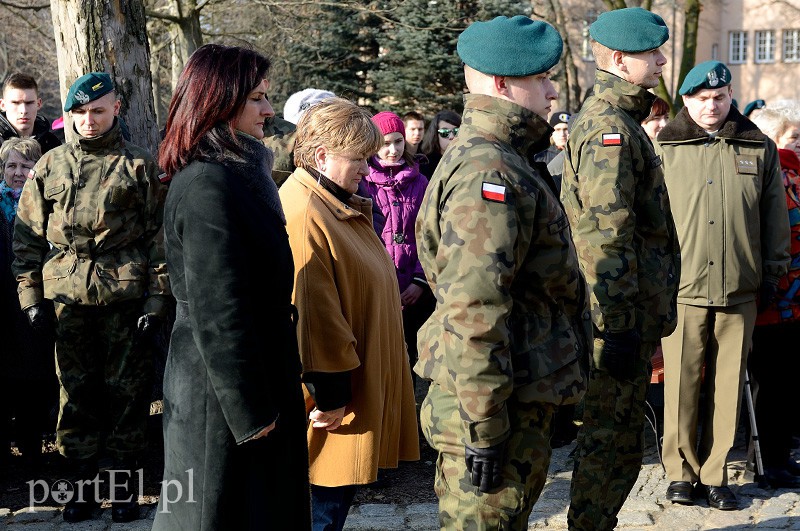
279 136
509 339
614 193
88 237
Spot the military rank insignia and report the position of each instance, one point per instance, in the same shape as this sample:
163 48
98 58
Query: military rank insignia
493 192
612 139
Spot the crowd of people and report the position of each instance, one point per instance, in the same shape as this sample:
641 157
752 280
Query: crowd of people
517 259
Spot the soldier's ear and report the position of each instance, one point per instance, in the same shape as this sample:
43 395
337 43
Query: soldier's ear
2 105
500 85
117 105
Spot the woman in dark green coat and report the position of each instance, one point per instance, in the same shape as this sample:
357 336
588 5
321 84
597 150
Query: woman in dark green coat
234 417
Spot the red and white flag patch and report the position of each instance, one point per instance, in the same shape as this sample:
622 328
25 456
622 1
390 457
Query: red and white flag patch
612 139
493 192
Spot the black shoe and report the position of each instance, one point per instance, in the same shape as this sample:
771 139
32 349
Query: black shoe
125 511
721 498
680 492
78 511
792 467
779 478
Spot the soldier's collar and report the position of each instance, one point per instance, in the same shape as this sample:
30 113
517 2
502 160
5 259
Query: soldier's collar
107 140
631 98
523 129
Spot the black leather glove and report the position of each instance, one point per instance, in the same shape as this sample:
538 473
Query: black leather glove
485 466
41 318
768 292
618 356
147 325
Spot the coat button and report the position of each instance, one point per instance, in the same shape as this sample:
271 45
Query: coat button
711 222
711 262
710 301
710 181
399 237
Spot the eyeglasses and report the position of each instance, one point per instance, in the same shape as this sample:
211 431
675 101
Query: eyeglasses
445 133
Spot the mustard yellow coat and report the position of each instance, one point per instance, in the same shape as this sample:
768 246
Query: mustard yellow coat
350 320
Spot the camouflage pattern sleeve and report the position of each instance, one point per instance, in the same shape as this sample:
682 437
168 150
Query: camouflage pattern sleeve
775 233
154 193
30 237
477 264
604 229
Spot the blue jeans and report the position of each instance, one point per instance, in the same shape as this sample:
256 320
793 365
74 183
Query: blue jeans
329 506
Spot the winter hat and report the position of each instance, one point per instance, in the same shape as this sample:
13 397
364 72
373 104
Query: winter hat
389 122
300 101
559 117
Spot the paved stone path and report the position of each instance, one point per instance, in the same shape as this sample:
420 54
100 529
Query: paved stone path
646 508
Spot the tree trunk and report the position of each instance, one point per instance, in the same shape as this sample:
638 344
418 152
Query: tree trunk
691 22
108 36
185 35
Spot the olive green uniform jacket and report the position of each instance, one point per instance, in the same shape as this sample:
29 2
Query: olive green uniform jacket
614 193
88 227
495 245
729 204
280 136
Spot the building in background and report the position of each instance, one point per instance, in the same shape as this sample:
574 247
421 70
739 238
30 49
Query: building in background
759 40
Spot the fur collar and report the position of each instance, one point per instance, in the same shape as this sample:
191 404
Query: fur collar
735 126
254 167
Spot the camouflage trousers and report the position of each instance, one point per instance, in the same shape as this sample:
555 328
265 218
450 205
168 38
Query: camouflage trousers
461 505
105 381
609 452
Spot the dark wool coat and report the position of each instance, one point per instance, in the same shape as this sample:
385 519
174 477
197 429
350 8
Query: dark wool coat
233 366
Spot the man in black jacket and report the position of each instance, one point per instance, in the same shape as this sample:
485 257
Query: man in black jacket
20 106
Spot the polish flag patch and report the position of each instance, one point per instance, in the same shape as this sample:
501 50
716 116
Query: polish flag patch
493 192
612 139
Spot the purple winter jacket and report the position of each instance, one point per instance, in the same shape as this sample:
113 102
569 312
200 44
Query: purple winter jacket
397 191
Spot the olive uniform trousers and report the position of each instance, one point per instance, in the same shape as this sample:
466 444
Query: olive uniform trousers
720 338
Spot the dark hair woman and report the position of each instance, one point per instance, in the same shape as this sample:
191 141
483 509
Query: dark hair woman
234 419
441 130
657 119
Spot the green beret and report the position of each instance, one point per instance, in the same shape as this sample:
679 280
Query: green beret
514 47
706 75
630 30
88 88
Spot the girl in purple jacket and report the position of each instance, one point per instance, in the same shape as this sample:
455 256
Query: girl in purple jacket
396 187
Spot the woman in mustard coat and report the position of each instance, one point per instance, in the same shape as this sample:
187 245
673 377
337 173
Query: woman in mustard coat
357 380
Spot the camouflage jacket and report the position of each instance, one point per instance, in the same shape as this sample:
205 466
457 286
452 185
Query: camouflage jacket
88 227
730 208
511 314
614 193
279 136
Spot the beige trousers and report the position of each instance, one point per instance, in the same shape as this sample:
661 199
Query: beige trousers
720 338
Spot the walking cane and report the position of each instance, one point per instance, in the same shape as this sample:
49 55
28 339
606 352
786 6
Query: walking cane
759 476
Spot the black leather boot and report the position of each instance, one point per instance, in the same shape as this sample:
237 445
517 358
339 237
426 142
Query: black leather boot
125 495
82 504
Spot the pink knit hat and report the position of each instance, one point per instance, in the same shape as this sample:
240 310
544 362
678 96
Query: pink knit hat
389 122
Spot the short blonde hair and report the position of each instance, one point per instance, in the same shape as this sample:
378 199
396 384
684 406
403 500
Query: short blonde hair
602 54
26 147
341 126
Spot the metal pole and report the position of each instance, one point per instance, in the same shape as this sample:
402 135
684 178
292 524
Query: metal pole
759 477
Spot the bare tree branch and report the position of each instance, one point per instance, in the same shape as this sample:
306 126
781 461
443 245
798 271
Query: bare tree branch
37 7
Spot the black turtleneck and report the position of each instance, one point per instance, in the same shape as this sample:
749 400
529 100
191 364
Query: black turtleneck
338 192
